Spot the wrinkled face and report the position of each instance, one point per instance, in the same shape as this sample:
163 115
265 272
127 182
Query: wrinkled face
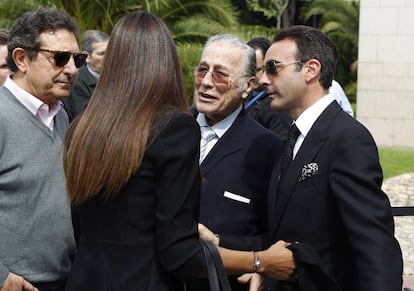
285 86
95 58
217 89
4 69
41 76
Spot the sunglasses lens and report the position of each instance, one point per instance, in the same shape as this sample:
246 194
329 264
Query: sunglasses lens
271 68
80 59
62 58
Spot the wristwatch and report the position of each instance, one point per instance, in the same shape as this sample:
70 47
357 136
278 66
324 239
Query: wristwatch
256 263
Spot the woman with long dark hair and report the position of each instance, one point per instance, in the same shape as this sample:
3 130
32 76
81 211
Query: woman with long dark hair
131 161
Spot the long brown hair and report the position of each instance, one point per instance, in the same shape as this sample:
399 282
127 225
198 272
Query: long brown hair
141 78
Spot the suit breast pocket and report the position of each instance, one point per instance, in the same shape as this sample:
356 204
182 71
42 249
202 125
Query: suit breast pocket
236 197
236 214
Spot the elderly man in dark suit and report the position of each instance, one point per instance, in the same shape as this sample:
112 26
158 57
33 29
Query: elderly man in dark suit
237 161
328 202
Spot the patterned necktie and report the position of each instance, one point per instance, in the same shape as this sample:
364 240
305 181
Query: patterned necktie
288 151
207 134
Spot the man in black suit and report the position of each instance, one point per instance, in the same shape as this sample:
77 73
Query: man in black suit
94 42
236 164
329 203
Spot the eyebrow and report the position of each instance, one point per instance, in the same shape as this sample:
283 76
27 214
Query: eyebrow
215 67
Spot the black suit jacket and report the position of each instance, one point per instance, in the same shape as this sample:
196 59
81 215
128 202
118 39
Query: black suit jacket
240 163
80 94
277 121
146 238
331 200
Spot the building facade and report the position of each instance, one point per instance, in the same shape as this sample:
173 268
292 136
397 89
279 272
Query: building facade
385 96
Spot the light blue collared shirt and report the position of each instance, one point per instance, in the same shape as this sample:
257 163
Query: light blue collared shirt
219 128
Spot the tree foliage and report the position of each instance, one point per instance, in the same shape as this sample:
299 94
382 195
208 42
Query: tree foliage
335 16
340 20
271 9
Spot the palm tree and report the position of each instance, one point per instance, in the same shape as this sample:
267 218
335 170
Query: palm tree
191 22
336 17
340 20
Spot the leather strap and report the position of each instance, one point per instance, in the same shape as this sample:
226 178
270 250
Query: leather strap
217 276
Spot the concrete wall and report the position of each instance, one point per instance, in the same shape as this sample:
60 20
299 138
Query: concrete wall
385 96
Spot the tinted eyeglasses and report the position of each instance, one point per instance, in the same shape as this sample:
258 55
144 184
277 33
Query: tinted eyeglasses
273 67
61 58
219 77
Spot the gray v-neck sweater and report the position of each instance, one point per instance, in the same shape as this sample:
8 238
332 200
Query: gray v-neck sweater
36 235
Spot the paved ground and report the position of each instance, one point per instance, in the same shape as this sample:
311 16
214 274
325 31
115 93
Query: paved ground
400 190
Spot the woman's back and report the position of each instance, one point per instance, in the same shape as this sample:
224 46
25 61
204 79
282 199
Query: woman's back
147 234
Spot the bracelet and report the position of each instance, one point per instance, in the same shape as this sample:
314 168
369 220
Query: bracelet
256 262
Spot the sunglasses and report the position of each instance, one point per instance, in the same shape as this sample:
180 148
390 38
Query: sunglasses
61 58
219 77
273 67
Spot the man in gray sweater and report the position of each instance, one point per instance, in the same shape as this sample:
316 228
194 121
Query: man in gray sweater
36 235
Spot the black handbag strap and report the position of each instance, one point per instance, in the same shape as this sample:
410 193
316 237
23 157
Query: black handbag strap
217 276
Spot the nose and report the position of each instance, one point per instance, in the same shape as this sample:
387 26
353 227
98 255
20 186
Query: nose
70 67
264 79
207 80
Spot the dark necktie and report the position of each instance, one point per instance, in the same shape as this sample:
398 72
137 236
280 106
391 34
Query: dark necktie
288 151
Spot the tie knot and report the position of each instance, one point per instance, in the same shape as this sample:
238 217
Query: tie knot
207 133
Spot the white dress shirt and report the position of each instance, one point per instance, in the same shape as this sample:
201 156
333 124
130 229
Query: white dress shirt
308 117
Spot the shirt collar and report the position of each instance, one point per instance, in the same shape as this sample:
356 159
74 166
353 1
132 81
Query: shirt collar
308 117
29 101
93 73
221 127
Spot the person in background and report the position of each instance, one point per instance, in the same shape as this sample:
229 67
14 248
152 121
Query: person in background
36 236
338 93
94 42
258 104
237 161
4 68
326 192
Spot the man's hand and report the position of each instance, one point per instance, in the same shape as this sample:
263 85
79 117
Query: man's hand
17 283
278 262
254 279
207 235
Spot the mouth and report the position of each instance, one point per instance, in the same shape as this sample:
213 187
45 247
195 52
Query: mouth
205 97
272 95
64 85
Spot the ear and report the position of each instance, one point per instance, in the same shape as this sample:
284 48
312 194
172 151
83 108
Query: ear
312 69
20 59
248 87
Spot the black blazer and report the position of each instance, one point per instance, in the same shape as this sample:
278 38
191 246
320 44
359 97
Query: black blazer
331 200
80 94
146 238
240 163
277 121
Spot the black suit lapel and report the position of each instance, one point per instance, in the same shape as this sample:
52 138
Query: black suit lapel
230 142
309 149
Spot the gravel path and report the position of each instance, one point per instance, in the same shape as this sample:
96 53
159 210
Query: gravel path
400 190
